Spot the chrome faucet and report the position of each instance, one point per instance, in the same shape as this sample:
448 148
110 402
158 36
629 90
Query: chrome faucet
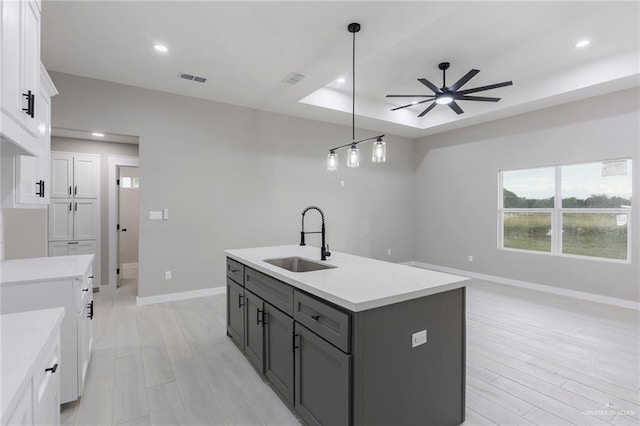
324 250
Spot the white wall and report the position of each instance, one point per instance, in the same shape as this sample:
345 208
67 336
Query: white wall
457 190
237 177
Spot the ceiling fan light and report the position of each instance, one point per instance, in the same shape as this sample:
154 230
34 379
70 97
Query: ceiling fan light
353 157
444 99
379 154
332 161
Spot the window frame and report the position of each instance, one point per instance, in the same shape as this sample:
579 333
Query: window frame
557 212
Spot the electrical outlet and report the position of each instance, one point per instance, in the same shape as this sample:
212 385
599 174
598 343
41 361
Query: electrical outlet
167 275
341 184
419 338
388 252
470 258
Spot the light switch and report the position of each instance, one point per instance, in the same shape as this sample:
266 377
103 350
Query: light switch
155 215
419 338
165 214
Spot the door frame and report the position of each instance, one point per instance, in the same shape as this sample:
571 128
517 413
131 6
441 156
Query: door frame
113 162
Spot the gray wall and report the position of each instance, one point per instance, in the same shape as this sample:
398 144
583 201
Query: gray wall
237 177
25 233
457 190
104 149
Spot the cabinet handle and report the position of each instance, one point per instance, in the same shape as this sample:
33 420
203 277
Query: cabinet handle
52 369
42 189
90 315
69 205
259 316
75 190
30 109
75 207
294 342
265 315
69 189
234 270
73 242
240 304
90 277
315 317
85 289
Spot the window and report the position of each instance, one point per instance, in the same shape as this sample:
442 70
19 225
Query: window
575 210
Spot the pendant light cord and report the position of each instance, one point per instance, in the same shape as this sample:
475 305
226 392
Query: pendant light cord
353 92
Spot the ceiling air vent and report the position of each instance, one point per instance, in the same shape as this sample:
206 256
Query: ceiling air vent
192 77
293 78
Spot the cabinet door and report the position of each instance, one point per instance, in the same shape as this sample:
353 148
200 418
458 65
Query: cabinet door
43 106
278 350
61 176
322 377
235 313
59 248
47 385
85 217
253 330
31 56
25 180
85 340
85 176
60 220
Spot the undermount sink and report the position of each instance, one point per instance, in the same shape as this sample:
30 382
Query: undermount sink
298 264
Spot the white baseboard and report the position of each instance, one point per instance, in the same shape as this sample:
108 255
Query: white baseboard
629 304
162 298
129 270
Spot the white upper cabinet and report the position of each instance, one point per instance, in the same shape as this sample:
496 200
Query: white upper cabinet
74 176
85 176
20 73
61 176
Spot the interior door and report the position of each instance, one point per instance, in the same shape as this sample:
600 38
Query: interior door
127 228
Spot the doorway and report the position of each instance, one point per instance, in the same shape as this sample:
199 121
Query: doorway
128 190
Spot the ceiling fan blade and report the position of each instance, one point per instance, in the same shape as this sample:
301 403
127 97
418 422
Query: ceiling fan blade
430 85
410 96
489 87
454 106
475 98
411 104
429 108
468 76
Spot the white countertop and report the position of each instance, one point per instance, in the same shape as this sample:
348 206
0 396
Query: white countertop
357 284
22 271
23 336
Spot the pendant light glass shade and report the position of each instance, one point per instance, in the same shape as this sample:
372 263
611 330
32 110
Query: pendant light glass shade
353 158
379 152
332 161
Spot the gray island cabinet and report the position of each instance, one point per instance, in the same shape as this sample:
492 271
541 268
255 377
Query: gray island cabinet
351 356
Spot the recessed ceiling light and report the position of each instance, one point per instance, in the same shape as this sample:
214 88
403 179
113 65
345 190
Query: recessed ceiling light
414 102
341 80
161 48
582 43
98 134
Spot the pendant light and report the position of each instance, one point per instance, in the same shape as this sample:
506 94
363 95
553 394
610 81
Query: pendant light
379 147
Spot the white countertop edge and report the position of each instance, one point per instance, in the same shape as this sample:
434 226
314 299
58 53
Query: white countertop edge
354 307
7 407
75 267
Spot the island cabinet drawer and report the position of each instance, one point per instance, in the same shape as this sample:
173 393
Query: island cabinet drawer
328 322
235 271
271 290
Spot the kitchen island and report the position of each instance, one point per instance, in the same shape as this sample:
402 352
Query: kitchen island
362 342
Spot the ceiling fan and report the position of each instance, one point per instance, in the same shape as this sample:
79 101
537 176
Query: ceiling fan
449 95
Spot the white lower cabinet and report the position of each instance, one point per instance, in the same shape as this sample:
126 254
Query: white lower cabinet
31 367
70 248
76 296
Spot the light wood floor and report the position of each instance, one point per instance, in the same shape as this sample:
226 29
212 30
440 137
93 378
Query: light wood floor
532 358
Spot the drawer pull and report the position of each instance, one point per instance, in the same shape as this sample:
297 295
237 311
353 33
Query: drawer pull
85 289
52 369
234 270
90 315
315 317
72 242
